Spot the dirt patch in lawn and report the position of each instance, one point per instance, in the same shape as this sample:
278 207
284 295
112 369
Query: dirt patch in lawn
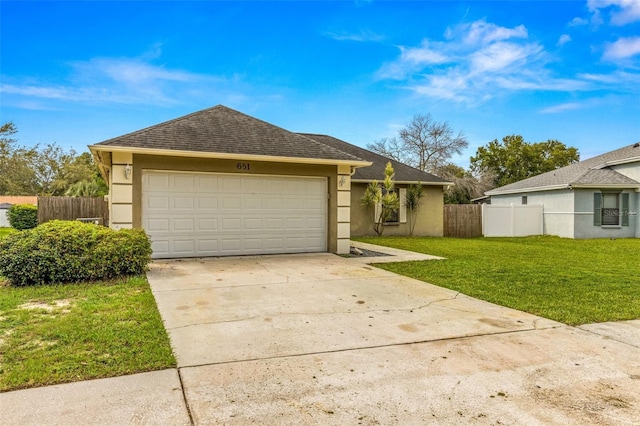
54 305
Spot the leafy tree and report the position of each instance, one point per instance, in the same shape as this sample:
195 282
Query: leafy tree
44 171
424 143
382 198
466 186
513 159
413 199
16 177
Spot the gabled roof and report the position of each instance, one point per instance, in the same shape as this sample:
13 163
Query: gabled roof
595 171
223 131
403 173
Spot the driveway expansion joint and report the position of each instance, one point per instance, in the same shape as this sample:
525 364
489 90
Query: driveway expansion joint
362 348
184 397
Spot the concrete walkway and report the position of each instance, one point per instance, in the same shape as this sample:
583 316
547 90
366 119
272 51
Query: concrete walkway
321 339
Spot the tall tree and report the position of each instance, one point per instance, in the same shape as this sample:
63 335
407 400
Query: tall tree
44 171
16 176
466 186
514 159
423 143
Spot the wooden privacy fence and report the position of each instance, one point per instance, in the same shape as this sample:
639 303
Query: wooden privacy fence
463 220
72 208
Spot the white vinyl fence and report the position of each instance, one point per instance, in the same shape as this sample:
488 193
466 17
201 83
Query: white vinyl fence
511 220
4 220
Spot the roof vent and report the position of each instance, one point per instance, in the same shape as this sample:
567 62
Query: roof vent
637 144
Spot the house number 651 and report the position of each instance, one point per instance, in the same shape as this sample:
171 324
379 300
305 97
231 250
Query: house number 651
243 166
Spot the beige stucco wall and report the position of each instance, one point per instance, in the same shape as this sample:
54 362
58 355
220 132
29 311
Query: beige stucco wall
151 162
429 220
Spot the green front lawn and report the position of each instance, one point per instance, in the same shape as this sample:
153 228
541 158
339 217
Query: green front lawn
570 281
65 333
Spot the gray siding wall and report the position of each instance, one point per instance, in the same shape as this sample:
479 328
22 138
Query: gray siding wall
584 227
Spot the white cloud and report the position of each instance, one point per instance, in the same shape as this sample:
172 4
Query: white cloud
568 106
413 59
625 11
502 56
361 36
422 55
116 80
564 39
622 48
482 32
474 63
576 22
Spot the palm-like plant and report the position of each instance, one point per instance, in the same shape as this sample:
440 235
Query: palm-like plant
382 198
413 199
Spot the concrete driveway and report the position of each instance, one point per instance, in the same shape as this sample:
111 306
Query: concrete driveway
320 339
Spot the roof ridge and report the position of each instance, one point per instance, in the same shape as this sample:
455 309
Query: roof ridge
162 123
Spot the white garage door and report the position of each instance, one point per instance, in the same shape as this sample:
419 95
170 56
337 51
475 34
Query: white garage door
207 214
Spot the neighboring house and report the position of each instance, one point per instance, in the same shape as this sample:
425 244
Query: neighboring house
595 198
6 201
428 217
218 182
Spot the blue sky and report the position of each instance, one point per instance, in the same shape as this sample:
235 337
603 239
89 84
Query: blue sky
77 73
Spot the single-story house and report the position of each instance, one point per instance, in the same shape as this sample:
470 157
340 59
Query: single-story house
218 182
595 198
429 220
6 201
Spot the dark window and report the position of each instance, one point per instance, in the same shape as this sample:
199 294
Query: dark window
610 209
524 200
394 217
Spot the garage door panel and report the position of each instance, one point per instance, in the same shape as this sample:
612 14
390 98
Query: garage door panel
253 224
206 202
181 203
184 183
158 225
201 214
207 225
295 223
252 204
230 184
157 181
314 223
314 204
161 203
183 246
208 245
160 247
207 183
184 225
230 202
273 224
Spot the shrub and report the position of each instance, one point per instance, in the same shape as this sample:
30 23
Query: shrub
70 251
23 216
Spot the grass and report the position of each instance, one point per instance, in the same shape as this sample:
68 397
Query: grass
65 333
570 281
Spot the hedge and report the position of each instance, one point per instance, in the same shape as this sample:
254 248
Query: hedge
23 216
70 251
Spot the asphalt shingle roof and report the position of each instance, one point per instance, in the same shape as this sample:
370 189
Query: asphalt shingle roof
593 171
223 130
403 173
